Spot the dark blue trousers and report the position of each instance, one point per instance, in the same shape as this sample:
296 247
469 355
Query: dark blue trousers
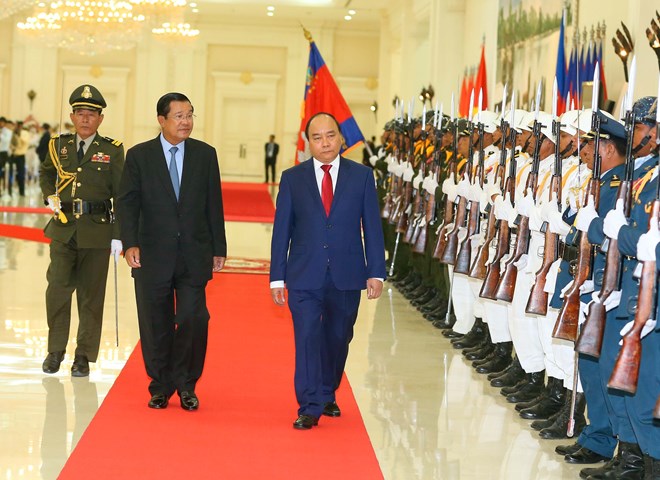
323 323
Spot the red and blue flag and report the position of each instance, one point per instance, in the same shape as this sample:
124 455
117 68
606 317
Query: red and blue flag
323 95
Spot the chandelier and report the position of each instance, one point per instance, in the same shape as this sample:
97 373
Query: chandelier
91 27
175 32
10 7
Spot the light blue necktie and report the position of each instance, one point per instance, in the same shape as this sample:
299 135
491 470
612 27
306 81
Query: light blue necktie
174 171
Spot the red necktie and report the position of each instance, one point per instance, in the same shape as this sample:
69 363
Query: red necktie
326 189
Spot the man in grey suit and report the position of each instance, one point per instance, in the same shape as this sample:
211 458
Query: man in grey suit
170 201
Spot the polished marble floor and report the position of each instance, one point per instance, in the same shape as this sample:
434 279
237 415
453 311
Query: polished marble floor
428 414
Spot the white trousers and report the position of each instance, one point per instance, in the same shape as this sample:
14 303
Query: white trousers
524 328
463 302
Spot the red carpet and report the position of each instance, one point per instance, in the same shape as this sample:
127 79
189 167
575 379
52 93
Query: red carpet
23 233
247 404
247 202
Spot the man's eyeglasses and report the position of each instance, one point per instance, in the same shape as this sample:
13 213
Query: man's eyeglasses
180 117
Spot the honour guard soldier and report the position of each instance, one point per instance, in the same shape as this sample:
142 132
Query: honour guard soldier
79 180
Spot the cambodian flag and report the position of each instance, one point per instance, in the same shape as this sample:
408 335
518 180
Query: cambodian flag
560 71
323 95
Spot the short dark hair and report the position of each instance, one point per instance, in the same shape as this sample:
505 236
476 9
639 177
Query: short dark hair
316 115
619 144
163 105
45 126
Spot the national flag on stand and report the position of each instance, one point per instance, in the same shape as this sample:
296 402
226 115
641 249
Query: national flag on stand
481 82
560 71
323 95
571 78
463 98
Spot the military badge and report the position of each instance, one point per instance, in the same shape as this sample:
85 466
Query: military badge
87 93
101 158
64 151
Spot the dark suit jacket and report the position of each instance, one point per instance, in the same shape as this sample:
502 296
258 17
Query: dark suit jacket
276 150
306 242
158 224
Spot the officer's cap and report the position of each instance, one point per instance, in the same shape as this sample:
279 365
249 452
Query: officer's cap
545 119
646 110
489 119
568 122
87 97
462 124
610 127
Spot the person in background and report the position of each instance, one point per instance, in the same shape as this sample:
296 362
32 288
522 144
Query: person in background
272 149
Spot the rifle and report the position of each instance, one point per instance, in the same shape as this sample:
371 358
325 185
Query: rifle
537 303
417 203
626 369
590 340
489 287
507 284
428 218
479 269
441 242
463 259
566 326
451 248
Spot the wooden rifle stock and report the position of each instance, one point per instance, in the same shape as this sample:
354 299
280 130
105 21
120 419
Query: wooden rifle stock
478 269
566 326
462 264
441 242
402 220
590 340
448 255
626 369
421 233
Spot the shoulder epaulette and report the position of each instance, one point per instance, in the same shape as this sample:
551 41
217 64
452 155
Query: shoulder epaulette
58 135
116 143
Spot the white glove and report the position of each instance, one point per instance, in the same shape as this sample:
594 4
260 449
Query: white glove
647 244
463 189
115 248
408 173
614 220
549 207
535 218
418 179
646 329
522 262
610 302
503 208
391 164
448 185
551 277
584 311
474 193
587 287
462 233
430 185
565 290
54 203
373 159
477 239
381 153
491 189
573 201
526 203
586 215
556 223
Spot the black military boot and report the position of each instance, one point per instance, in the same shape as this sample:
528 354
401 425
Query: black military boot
446 322
482 352
631 466
425 298
410 283
651 468
418 292
550 404
539 425
567 449
415 289
478 360
559 427
437 302
473 337
449 333
438 313
500 359
509 377
506 391
530 390
599 472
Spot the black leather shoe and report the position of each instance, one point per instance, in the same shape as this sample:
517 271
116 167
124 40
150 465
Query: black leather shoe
189 400
499 361
449 333
529 391
80 367
331 409
510 377
584 455
567 449
52 362
444 322
158 401
305 422
599 472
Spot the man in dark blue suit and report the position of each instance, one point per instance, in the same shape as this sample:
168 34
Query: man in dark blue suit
324 208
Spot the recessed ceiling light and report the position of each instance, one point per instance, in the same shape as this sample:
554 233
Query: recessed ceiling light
270 14
195 10
347 17
193 5
270 8
352 12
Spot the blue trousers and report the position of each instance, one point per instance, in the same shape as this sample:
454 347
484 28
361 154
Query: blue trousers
598 435
323 323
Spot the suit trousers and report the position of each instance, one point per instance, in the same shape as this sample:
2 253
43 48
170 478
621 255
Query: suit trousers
84 270
270 165
173 321
323 321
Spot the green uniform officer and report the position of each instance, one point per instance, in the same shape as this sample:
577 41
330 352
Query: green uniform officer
78 180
